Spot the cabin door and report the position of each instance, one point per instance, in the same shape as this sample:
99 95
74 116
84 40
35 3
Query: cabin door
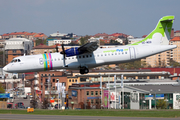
132 53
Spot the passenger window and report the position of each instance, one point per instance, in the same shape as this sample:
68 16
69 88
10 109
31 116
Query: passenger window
87 56
119 53
90 55
15 60
115 53
19 60
105 54
109 54
112 53
97 55
101 54
83 56
79 56
122 53
12 61
125 52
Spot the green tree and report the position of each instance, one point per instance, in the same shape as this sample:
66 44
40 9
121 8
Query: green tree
84 40
114 42
162 104
126 41
174 63
2 91
40 41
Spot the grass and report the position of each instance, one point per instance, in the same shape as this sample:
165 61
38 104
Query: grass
104 112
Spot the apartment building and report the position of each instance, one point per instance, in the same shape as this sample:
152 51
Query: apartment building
158 60
41 49
17 47
175 53
30 36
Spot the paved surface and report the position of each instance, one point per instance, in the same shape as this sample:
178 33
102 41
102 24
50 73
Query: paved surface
25 101
56 117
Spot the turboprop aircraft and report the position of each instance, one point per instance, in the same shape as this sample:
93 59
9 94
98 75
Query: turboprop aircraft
89 55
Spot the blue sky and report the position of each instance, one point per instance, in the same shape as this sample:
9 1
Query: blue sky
86 17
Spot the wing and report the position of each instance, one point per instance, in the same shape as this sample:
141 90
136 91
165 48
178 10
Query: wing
86 48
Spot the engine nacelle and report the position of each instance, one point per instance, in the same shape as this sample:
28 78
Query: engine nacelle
72 52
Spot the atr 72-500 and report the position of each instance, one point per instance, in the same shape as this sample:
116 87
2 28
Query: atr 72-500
89 55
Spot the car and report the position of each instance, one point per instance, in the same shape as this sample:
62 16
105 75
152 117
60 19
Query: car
19 104
56 106
10 105
21 107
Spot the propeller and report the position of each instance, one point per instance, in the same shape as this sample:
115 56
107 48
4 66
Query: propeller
64 55
57 50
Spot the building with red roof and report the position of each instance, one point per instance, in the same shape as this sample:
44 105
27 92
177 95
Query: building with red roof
40 36
41 49
177 33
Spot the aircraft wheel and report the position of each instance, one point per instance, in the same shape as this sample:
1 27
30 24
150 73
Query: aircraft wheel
86 70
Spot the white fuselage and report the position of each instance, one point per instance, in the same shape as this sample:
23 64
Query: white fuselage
101 56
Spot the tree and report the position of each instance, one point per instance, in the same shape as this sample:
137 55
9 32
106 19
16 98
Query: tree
113 42
40 41
84 40
174 63
1 91
163 63
45 104
162 104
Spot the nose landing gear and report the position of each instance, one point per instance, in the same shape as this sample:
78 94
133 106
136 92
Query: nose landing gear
84 70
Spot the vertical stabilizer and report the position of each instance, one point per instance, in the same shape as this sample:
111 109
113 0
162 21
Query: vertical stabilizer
161 34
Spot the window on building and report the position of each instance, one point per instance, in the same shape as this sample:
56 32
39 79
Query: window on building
99 92
92 93
92 101
69 80
73 80
87 93
64 83
14 51
96 93
57 80
53 80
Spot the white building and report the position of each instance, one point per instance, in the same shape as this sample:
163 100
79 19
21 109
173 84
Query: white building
18 43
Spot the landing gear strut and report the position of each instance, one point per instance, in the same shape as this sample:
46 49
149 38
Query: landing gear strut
84 70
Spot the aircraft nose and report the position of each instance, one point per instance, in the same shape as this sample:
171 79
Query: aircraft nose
5 68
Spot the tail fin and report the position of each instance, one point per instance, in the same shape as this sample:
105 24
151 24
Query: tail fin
161 34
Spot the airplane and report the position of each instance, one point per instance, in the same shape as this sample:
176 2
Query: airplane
89 55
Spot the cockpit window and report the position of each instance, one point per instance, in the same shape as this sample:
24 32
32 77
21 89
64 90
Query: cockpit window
15 60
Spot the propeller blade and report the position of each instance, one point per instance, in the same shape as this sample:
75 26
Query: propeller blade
57 50
64 54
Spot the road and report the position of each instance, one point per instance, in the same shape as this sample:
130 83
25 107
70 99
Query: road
25 101
58 117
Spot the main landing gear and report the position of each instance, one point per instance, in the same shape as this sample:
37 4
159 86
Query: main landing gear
84 70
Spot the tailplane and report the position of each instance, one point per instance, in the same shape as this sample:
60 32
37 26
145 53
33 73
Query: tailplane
161 34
